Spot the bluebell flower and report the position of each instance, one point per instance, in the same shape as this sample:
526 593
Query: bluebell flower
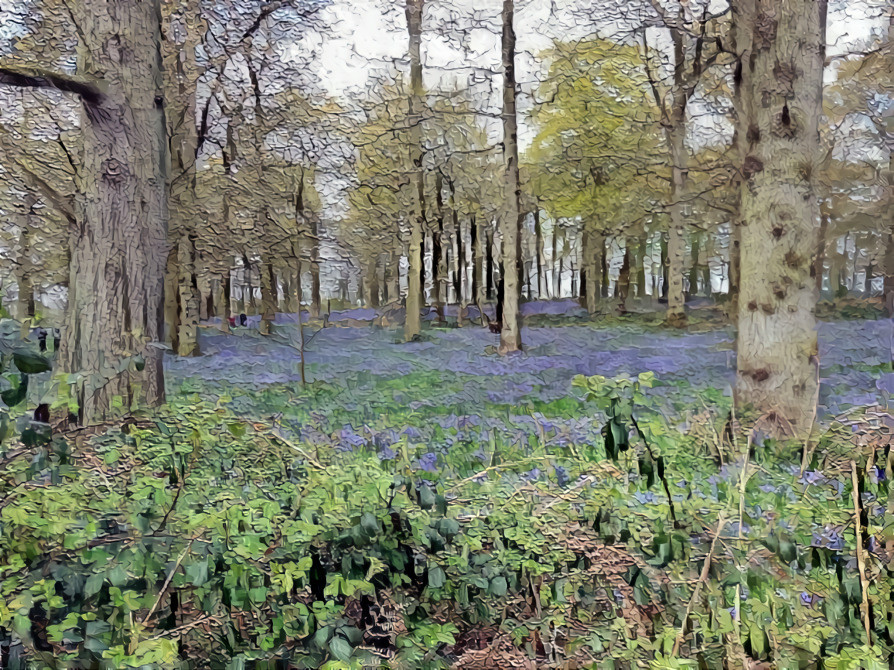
429 462
532 475
412 432
387 453
561 475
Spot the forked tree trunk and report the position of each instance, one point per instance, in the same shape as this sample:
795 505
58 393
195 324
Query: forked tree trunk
412 321
777 342
510 221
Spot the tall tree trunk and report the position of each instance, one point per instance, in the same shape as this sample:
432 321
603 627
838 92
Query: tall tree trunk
538 252
695 252
706 266
315 301
268 296
665 266
412 321
479 288
490 286
555 262
676 240
224 295
624 280
180 78
819 262
592 244
777 343
641 267
510 221
24 271
115 301
603 260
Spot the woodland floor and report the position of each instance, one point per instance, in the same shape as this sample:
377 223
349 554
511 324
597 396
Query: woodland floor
855 362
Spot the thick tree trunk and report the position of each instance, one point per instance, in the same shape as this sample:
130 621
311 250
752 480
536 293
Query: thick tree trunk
777 343
510 221
115 300
604 262
412 321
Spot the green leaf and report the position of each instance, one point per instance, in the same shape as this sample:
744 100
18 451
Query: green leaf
12 397
436 577
197 572
370 524
30 363
340 648
498 586
426 497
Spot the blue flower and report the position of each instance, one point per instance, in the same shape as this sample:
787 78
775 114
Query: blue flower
429 462
387 453
532 475
561 475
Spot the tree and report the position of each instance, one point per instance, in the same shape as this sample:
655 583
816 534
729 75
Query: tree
594 155
511 215
782 83
414 9
114 318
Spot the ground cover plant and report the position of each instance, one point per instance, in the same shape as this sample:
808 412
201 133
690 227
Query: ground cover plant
373 518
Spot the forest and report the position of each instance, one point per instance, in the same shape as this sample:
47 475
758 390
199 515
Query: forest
483 334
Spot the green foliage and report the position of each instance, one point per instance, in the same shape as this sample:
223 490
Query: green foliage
598 137
202 536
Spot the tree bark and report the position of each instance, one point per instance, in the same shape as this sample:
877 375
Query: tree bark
510 333
641 267
538 252
116 285
268 297
180 79
224 296
624 280
819 263
315 301
695 252
676 240
777 343
593 245
412 321
24 271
